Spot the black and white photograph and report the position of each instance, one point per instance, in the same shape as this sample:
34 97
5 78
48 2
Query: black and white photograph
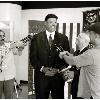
49 49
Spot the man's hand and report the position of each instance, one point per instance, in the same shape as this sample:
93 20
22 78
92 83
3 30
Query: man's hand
45 69
50 71
68 54
61 54
18 44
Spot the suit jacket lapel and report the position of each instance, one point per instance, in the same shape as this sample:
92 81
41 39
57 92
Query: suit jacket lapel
44 41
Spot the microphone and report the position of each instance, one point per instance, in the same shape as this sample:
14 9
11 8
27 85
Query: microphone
26 39
59 48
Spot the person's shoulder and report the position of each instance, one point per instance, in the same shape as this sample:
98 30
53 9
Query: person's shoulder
90 51
40 33
61 34
35 36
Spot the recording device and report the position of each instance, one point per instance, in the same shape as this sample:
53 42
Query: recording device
26 39
59 48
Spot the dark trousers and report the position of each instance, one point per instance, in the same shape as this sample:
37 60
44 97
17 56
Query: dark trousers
74 84
45 84
7 87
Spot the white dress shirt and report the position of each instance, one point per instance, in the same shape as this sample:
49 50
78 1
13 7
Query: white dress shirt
48 34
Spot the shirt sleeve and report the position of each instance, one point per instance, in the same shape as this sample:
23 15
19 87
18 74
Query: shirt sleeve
8 45
84 59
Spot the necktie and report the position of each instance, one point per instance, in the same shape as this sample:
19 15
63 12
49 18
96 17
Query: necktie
50 40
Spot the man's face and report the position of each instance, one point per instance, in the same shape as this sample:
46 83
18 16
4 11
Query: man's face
79 40
2 36
51 24
82 40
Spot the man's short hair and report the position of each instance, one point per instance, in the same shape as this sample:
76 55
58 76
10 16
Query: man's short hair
50 16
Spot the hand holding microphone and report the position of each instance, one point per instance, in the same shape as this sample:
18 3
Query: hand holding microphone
61 54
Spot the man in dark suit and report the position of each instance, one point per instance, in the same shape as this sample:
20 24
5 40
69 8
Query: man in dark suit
46 62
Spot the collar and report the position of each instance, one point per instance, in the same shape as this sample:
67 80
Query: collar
48 34
82 48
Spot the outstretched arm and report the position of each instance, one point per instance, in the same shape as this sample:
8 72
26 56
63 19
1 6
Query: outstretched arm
84 59
21 43
67 57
